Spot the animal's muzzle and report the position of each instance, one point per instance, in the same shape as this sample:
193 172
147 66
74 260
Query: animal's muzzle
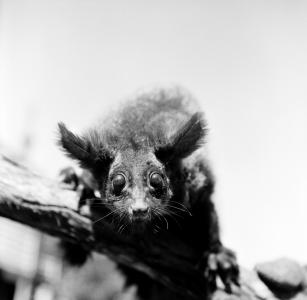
140 213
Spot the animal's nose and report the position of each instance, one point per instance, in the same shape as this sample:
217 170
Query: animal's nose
140 212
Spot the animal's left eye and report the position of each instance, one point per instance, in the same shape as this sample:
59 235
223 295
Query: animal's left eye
156 180
118 182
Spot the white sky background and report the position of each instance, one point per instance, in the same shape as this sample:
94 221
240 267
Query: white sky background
246 61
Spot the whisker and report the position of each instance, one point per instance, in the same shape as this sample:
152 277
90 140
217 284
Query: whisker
171 214
160 216
119 230
115 218
176 202
184 210
123 228
110 213
156 213
157 228
122 217
182 205
165 222
101 203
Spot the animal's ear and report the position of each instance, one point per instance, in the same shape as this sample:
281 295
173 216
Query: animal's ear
87 150
185 141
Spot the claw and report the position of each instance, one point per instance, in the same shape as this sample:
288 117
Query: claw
79 183
222 264
69 177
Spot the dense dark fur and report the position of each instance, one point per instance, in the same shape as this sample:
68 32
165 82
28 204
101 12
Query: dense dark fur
166 127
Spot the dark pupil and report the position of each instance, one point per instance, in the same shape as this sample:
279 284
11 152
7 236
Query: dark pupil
156 181
119 183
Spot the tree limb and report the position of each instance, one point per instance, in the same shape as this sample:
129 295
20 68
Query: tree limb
51 207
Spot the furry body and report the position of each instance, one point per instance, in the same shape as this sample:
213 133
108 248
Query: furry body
148 164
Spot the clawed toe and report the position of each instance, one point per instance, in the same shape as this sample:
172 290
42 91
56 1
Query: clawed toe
69 177
222 264
81 184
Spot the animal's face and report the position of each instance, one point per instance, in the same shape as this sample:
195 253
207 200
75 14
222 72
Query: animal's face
137 186
134 183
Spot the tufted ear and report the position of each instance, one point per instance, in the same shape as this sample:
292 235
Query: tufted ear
88 150
185 141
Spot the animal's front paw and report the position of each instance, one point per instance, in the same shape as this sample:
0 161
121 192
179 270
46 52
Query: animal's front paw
69 176
223 264
81 183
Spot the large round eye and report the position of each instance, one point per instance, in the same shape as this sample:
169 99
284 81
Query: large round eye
155 180
118 183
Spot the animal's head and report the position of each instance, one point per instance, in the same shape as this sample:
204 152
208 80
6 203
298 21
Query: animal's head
135 183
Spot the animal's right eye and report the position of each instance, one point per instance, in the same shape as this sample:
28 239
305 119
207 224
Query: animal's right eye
118 183
156 181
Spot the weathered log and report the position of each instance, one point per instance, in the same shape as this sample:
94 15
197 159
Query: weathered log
51 207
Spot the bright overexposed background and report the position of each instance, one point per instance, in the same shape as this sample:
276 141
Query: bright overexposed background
246 62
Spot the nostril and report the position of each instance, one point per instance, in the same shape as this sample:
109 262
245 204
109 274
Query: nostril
140 212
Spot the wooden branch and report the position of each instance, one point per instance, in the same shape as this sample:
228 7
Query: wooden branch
50 207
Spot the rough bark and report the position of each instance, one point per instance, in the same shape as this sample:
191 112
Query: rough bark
51 207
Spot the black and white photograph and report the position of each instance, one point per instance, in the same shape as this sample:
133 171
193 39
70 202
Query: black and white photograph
153 150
